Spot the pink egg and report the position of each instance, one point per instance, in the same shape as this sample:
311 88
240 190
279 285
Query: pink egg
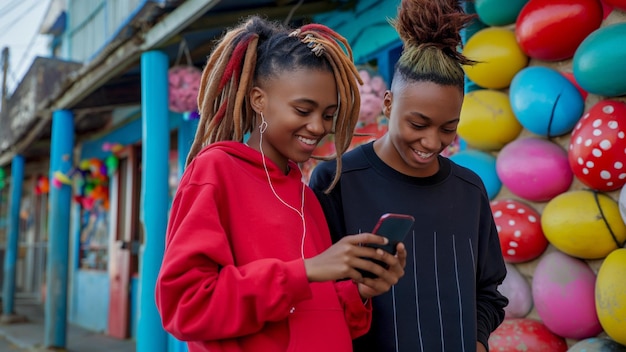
534 169
517 290
563 293
519 230
597 150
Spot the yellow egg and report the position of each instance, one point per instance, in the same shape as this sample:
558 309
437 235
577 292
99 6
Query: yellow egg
583 224
487 120
611 295
499 57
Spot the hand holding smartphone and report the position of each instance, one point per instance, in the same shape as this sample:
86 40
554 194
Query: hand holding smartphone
393 226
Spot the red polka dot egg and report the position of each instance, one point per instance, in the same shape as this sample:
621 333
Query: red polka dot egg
519 230
597 150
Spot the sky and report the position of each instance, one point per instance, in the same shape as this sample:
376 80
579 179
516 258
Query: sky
19 31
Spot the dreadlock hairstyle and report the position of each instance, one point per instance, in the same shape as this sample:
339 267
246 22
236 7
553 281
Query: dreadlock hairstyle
257 50
430 31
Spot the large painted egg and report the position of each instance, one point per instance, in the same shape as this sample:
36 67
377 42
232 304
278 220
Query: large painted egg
498 12
598 63
487 121
621 4
545 102
484 165
499 57
551 30
597 344
534 169
524 335
519 230
517 290
611 295
563 293
597 149
583 224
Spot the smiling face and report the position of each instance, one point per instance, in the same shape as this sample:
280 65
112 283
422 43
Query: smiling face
298 107
423 118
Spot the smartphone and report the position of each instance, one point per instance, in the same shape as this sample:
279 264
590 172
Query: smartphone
393 226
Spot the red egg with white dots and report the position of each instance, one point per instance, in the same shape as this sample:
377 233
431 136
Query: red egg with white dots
519 230
597 149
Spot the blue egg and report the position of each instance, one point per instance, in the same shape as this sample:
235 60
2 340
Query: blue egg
484 165
597 344
545 102
598 62
498 12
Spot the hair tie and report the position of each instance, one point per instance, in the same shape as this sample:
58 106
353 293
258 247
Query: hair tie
311 42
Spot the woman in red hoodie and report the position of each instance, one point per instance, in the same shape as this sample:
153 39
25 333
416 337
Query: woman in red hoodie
249 264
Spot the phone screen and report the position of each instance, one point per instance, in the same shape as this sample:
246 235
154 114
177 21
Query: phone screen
393 226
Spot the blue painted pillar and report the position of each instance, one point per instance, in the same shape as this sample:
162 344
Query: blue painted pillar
186 135
154 196
61 156
10 254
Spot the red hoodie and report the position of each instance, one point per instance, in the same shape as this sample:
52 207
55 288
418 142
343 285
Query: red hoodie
233 276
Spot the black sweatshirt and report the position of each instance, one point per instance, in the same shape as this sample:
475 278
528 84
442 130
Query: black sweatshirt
448 298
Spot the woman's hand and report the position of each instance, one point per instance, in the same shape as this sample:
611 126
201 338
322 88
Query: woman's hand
342 260
371 287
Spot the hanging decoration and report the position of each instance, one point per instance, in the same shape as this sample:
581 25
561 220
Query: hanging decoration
184 83
42 186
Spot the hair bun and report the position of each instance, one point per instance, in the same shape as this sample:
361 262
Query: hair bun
431 22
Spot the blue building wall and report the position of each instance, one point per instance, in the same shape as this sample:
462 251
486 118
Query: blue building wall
89 297
90 300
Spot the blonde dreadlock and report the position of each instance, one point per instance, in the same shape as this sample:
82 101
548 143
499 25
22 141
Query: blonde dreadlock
257 49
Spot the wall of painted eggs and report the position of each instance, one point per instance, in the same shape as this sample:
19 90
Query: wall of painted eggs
544 120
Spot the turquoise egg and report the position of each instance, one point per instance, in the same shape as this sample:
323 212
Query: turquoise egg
484 165
498 12
545 102
598 62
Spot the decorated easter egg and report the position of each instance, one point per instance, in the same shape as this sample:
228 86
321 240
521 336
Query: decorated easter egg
482 164
487 121
517 290
534 169
519 230
622 203
551 30
523 335
621 4
583 224
499 57
563 294
597 344
545 102
598 63
611 295
497 12
597 149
